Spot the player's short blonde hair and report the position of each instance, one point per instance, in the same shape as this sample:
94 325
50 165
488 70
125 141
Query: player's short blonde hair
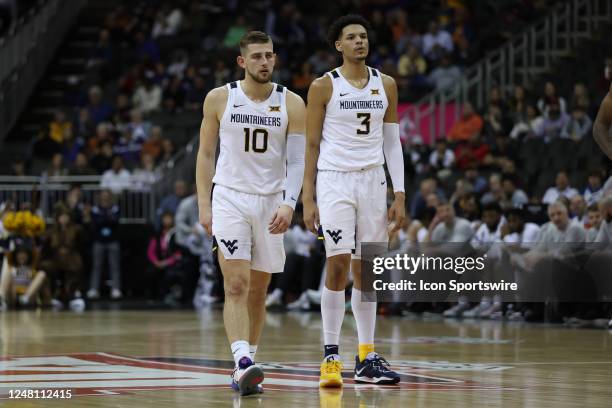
253 37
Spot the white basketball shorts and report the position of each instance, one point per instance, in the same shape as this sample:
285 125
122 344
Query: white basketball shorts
240 227
352 209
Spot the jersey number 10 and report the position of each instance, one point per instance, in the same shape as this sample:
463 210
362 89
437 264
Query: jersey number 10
257 146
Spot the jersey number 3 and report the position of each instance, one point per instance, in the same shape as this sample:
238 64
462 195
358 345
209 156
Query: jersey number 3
365 121
257 145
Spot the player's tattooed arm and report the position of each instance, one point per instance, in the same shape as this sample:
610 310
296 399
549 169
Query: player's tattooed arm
319 95
602 128
205 164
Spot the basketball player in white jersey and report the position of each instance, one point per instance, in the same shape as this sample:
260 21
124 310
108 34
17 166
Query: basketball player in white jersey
258 178
351 128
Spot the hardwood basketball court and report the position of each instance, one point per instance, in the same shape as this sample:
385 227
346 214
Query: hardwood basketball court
181 359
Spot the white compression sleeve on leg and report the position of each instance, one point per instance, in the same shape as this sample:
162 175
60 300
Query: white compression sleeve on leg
392 148
296 145
332 313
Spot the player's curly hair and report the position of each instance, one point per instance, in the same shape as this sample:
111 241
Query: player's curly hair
335 29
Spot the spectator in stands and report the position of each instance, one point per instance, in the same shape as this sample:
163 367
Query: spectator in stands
418 204
436 42
578 126
554 123
519 233
174 96
551 98
189 233
56 167
81 166
487 235
167 22
578 210
140 128
442 157
560 229
193 97
80 211
71 147
144 176
163 257
128 148
148 96
530 126
517 197
153 145
495 193
580 98
472 153
117 178
167 150
105 220
561 189
447 227
59 127
99 110
102 158
235 32
61 258
593 191
604 235
472 176
469 125
103 134
170 203
593 223
444 76
84 125
412 66
518 105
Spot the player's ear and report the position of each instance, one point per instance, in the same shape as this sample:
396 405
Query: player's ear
240 60
338 45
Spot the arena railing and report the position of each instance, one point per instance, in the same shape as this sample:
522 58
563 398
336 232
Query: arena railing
137 206
27 50
519 61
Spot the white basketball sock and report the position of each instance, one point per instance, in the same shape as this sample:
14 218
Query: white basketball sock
252 351
332 312
365 317
240 348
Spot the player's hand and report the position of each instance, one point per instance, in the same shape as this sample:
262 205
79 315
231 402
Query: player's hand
311 216
206 219
281 220
397 214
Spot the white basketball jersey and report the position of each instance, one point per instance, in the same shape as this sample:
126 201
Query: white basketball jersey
352 137
253 142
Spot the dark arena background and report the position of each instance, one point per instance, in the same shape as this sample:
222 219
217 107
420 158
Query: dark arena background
110 295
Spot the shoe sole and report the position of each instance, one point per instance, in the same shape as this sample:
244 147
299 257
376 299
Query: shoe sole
332 383
380 381
248 383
